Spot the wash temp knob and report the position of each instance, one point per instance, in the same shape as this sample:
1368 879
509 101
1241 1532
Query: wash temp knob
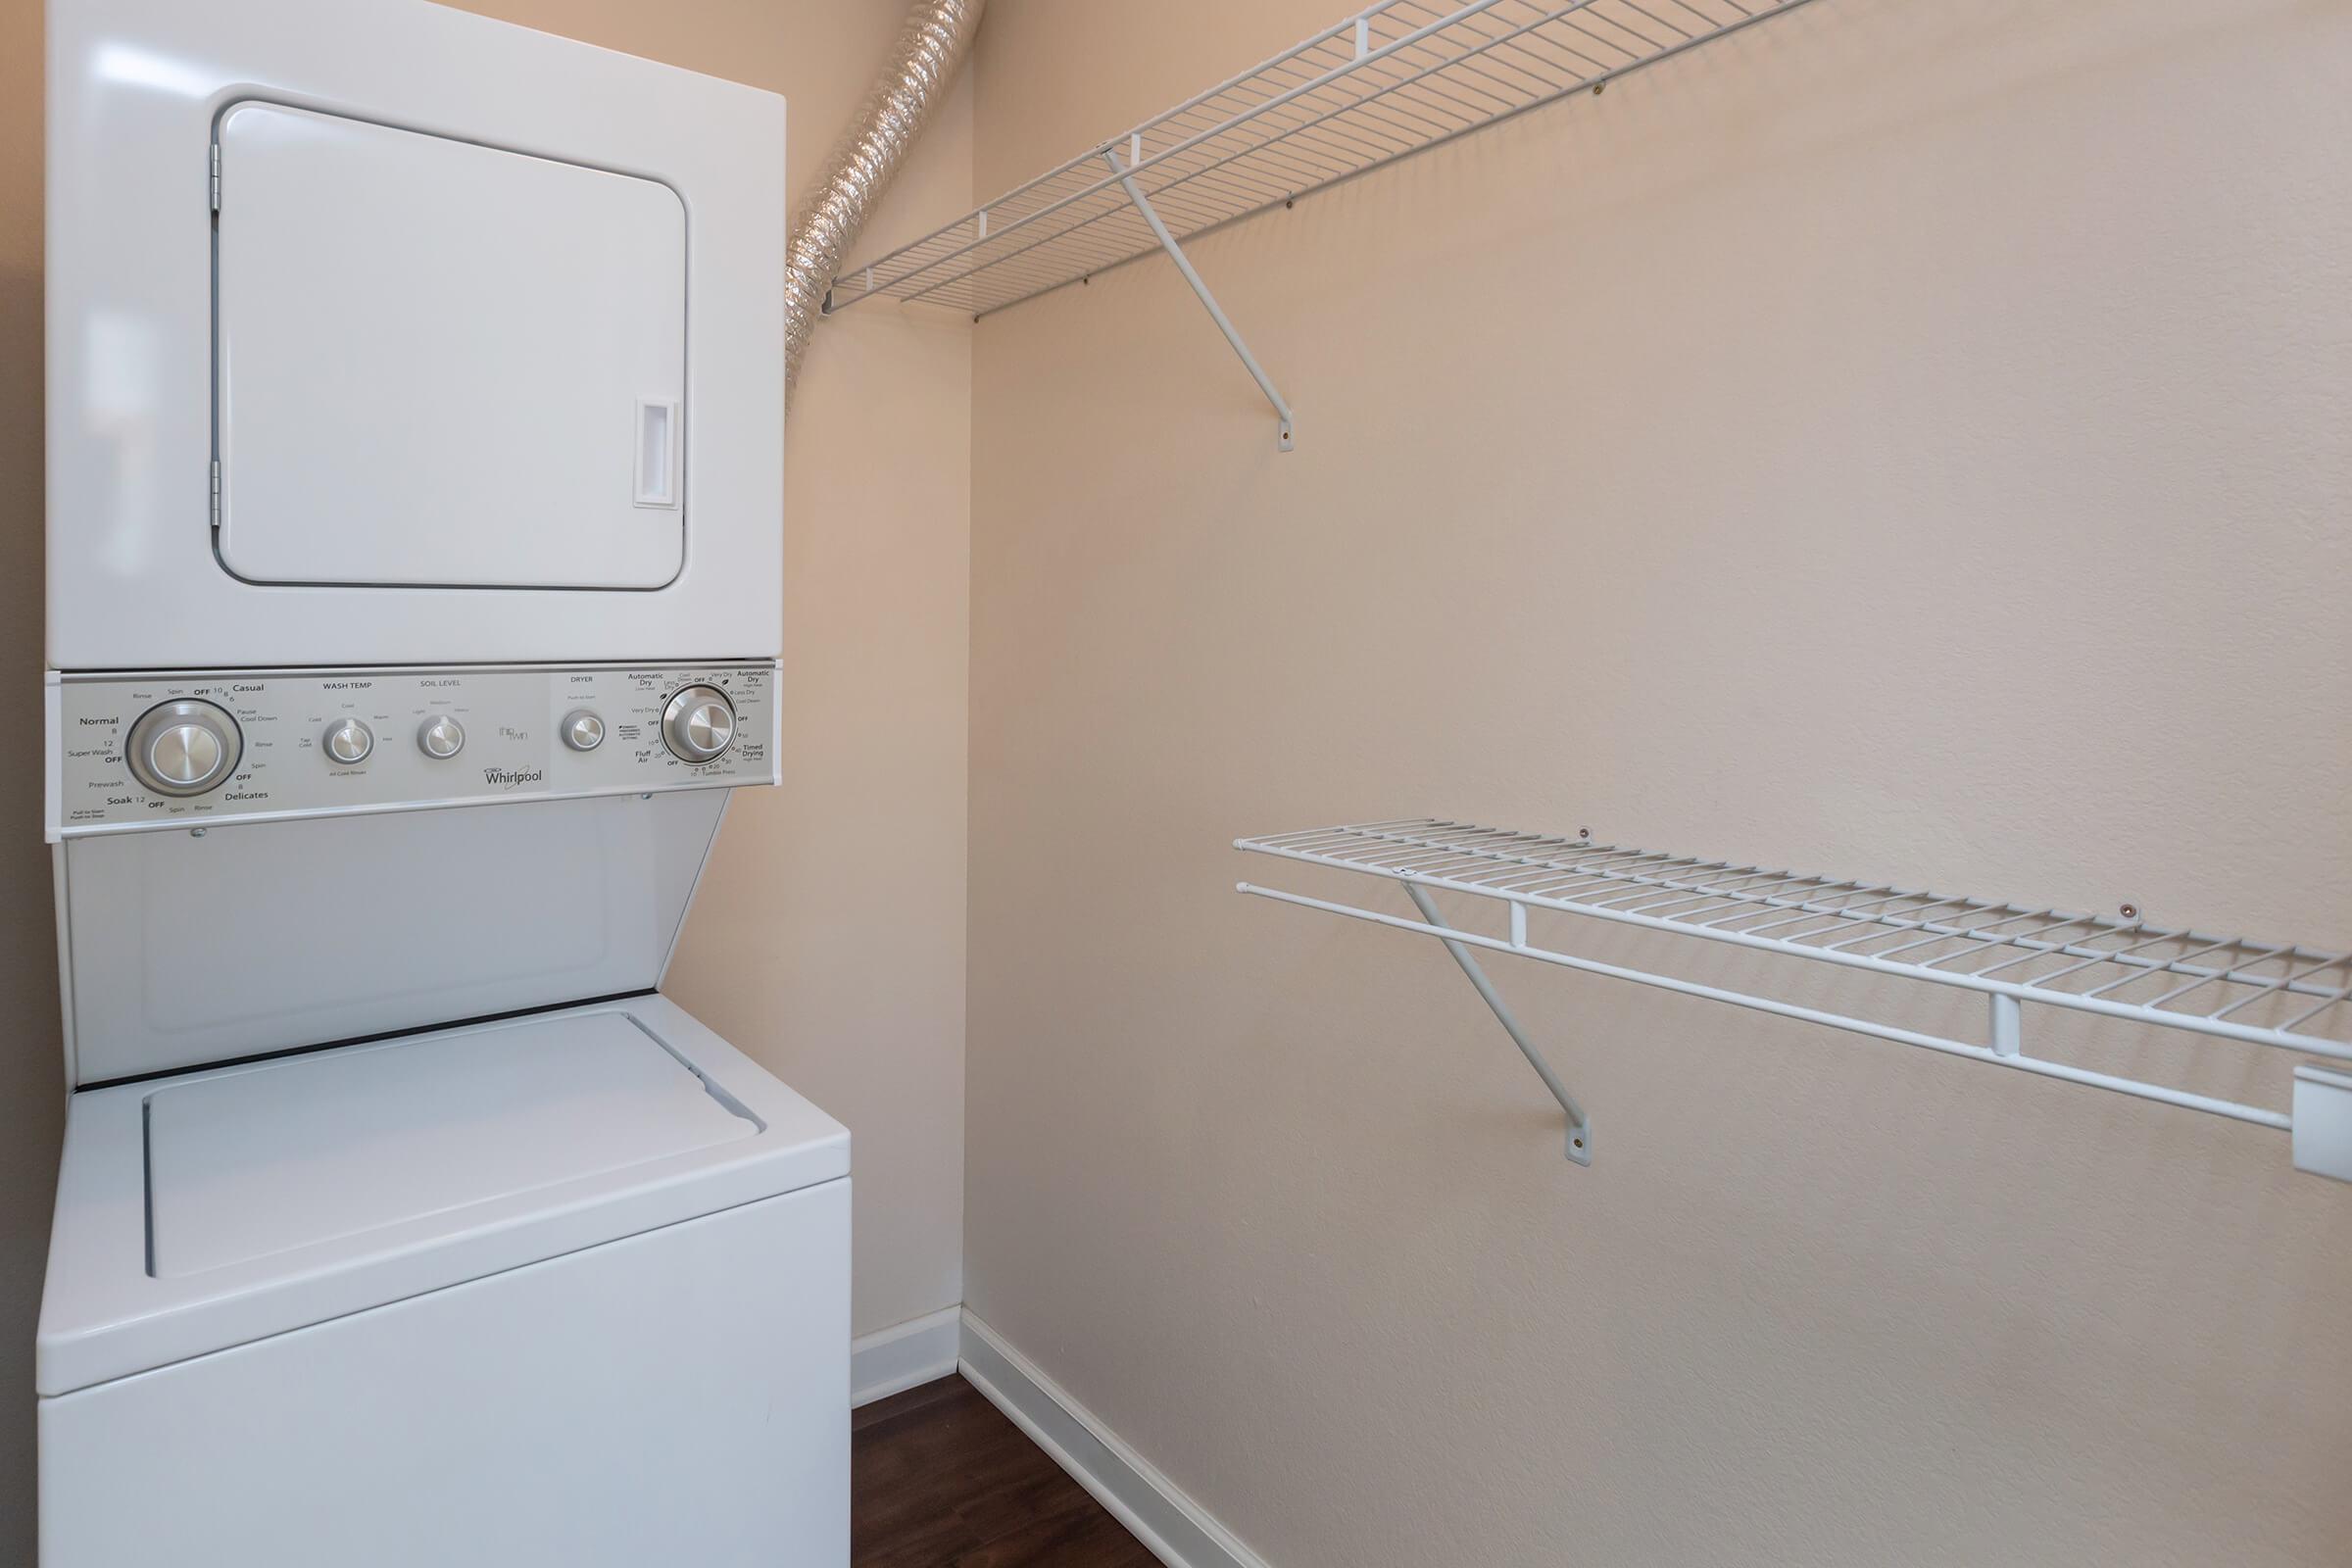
184 748
348 740
699 723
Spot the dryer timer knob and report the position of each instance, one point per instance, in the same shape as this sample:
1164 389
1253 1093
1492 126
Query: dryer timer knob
699 723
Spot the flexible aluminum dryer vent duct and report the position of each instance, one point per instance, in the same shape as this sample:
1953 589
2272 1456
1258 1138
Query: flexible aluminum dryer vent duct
930 47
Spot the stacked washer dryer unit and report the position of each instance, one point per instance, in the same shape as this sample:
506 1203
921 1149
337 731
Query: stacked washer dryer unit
415 400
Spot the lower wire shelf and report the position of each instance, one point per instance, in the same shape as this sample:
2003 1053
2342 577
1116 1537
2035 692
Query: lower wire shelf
2259 993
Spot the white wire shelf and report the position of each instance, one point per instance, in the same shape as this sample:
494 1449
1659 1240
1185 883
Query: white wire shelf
2235 988
1392 80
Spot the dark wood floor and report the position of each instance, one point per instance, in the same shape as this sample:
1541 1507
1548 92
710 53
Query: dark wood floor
940 1479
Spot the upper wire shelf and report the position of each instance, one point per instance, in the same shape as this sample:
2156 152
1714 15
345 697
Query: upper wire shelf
2265 993
2235 988
1392 80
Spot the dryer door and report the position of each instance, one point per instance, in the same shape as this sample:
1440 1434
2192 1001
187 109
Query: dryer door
444 364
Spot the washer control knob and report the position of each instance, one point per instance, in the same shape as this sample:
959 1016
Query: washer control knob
184 748
699 723
348 740
441 736
583 731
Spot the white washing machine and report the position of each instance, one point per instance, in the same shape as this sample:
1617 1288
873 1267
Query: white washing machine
415 400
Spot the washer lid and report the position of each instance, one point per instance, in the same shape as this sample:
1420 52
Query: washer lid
213 1209
311 1148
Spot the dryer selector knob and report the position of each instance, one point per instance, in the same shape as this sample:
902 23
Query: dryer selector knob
699 724
348 740
184 748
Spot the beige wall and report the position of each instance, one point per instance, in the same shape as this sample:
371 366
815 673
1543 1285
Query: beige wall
854 998
1909 440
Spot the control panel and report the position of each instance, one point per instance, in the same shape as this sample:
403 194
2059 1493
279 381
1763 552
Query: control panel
131 751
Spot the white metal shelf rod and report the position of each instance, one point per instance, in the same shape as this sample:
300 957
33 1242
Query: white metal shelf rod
1326 110
1312 84
2342 993
1238 79
1184 264
2073 1001
1109 250
2289 982
1283 132
1580 1126
1552 894
2256 1115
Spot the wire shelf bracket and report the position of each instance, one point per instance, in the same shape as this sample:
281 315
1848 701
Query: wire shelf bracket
1184 264
1397 78
2231 988
1580 1126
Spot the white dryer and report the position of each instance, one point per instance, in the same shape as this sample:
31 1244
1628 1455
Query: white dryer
415 400
385 334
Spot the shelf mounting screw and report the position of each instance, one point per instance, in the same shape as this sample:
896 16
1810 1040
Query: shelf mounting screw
2130 911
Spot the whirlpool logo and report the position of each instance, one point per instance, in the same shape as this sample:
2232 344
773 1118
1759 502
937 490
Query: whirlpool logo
512 778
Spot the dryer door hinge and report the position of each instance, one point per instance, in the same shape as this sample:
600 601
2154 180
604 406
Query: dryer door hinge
216 493
216 176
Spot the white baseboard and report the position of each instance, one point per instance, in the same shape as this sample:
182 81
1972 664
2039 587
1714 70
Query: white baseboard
1172 1527
895 1359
